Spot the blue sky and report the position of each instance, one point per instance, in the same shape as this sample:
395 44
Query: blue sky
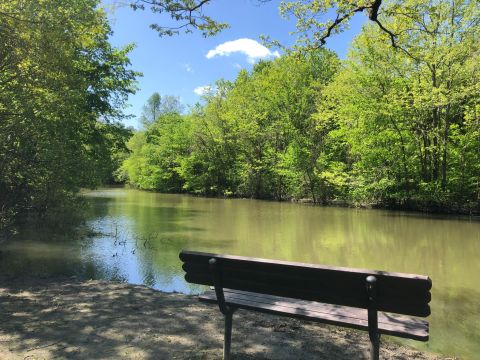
179 65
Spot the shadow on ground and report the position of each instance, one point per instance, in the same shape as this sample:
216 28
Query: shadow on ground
72 319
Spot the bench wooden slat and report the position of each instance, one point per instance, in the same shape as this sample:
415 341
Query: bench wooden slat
356 318
341 298
312 282
195 256
397 293
407 321
314 278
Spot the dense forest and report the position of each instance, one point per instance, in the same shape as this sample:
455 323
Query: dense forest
62 88
396 124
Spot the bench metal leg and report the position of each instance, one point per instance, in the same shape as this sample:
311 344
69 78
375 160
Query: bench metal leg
373 318
227 340
375 348
227 311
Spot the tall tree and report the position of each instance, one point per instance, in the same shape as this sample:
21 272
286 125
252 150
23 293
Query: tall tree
151 110
59 76
157 106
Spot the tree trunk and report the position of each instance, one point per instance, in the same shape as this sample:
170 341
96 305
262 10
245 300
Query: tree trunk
436 126
445 142
312 187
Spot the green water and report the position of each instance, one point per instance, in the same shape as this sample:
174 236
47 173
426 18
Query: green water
136 236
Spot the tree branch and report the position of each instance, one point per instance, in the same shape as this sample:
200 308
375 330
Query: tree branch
337 22
187 13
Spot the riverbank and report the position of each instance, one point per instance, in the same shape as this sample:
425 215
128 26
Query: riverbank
424 207
73 319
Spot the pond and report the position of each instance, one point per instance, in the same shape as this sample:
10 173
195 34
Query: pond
136 236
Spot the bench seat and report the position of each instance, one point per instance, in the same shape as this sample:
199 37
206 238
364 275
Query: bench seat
356 318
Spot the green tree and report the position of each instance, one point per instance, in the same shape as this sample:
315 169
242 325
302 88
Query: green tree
260 136
210 167
405 109
59 76
156 154
396 124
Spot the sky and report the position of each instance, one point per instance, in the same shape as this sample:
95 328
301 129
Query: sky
186 64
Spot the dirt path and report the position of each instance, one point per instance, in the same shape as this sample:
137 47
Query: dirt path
72 319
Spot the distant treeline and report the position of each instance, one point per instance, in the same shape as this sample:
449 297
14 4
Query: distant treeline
394 125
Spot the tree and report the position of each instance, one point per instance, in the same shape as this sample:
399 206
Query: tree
59 76
396 124
405 110
157 106
151 110
211 167
255 137
156 154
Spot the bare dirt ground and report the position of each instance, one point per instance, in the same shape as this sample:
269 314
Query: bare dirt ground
73 319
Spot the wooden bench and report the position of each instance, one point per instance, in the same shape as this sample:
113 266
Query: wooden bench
353 298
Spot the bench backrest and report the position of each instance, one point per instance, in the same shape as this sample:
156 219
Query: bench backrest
396 292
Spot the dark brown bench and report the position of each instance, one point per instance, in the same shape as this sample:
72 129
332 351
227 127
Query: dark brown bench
376 301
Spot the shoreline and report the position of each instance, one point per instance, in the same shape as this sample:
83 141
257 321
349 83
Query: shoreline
67 318
410 206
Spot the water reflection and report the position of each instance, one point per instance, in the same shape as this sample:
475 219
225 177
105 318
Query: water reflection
136 236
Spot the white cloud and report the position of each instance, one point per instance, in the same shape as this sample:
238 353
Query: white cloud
202 90
253 49
188 67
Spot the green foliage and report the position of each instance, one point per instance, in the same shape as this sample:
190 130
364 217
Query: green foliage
59 76
406 111
156 153
396 124
256 137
